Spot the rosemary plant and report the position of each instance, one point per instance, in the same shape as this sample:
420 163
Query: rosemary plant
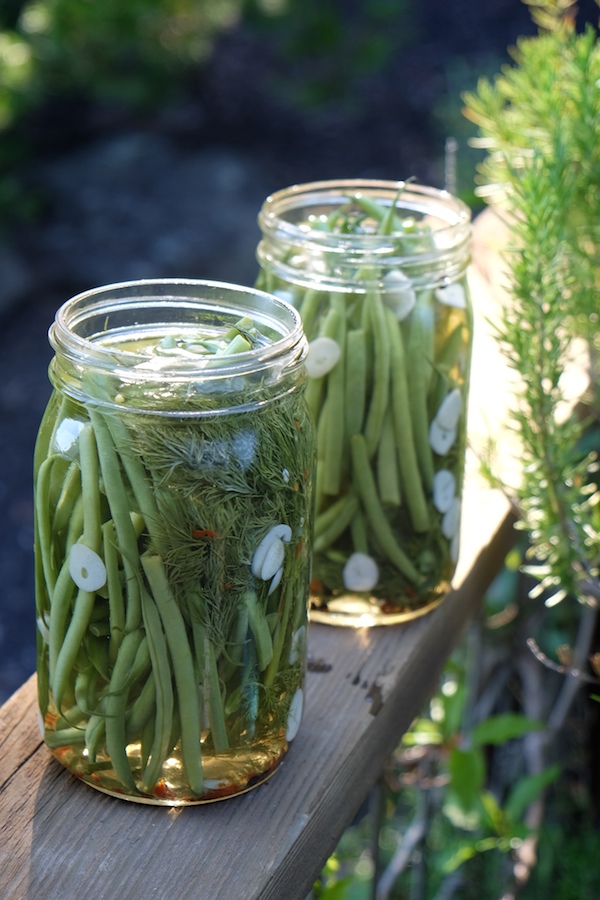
538 122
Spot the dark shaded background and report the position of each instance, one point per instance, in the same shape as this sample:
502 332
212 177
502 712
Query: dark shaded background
176 192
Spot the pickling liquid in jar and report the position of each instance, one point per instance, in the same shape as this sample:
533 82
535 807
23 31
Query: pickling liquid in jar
378 272
173 496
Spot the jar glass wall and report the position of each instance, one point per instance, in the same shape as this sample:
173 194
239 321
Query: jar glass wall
173 500
378 272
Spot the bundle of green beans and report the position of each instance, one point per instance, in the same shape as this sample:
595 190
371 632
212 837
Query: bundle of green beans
172 559
388 369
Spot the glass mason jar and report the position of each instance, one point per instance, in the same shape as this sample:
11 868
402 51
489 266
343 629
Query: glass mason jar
378 272
173 499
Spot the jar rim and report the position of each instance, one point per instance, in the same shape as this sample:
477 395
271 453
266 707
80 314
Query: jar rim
194 295
432 202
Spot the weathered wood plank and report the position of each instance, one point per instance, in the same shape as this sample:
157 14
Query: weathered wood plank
59 837
62 839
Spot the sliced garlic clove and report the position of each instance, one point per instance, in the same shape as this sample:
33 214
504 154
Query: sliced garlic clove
398 293
323 355
294 715
276 580
444 489
86 568
451 520
450 409
452 295
277 533
361 572
273 559
441 439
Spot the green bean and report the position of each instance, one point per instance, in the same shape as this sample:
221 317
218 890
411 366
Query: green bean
212 687
282 628
366 488
259 629
334 521
71 490
183 669
97 651
403 430
390 222
344 507
358 529
418 370
332 327
356 381
164 691
88 457
140 711
236 643
381 372
308 311
65 738
136 473
333 459
147 741
142 663
95 730
75 529
73 717
82 610
387 464
42 518
82 687
116 605
117 501
116 703
60 609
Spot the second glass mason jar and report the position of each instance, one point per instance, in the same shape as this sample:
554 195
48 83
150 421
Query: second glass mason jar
378 272
173 501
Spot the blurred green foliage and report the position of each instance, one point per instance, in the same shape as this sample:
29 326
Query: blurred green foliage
135 52
330 45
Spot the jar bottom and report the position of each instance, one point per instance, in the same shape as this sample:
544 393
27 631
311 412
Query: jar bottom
225 776
360 611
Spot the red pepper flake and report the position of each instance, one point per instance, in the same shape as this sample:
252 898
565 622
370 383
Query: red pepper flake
163 792
298 549
198 533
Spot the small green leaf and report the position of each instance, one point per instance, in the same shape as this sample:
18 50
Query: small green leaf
467 773
494 815
526 790
502 728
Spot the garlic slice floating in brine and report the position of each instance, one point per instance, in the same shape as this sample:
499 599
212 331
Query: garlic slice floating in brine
444 489
398 293
323 355
294 715
361 572
451 519
441 439
86 568
450 409
452 295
